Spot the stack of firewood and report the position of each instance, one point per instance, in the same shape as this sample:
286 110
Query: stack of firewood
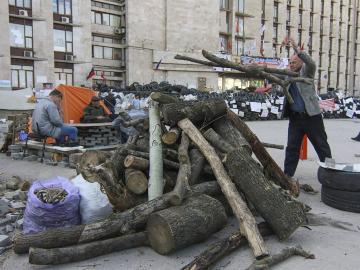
175 184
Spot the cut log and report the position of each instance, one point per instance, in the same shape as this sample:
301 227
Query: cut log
163 98
91 159
82 252
136 181
156 179
283 214
230 134
197 161
217 141
171 136
180 226
220 249
271 169
239 207
137 163
201 112
182 181
117 224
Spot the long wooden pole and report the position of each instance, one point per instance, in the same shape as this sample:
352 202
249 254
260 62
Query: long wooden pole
239 207
156 183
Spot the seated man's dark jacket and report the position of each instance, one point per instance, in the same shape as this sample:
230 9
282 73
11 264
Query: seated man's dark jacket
91 113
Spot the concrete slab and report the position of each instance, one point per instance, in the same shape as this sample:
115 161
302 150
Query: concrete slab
333 240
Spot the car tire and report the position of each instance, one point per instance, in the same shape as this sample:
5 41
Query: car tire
342 200
341 180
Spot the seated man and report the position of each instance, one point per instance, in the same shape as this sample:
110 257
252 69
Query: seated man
47 118
94 112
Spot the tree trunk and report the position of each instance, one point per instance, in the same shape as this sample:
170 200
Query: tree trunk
91 159
163 98
229 133
197 161
136 181
138 163
82 252
171 137
239 207
180 226
117 224
217 141
200 112
182 181
220 249
283 214
271 169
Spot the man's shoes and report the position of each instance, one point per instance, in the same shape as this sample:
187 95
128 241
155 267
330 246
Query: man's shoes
356 139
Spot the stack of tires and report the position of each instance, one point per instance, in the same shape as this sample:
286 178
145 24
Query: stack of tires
340 189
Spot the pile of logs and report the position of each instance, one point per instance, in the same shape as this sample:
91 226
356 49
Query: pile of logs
175 184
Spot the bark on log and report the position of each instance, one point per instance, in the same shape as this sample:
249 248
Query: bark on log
201 112
180 226
163 98
137 163
82 252
239 207
90 159
274 146
136 181
217 141
283 214
197 161
117 224
171 137
182 181
271 169
220 249
230 134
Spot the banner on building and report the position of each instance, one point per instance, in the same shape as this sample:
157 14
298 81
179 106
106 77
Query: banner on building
265 61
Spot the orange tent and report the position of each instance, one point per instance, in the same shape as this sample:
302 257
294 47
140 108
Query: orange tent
75 99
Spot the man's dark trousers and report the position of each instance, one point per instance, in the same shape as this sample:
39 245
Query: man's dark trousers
313 127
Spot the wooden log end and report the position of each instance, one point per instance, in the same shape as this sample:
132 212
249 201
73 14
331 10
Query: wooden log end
169 138
160 236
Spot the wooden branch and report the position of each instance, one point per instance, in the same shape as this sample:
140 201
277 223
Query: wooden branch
135 162
258 68
197 161
286 253
163 98
274 146
252 71
82 252
271 169
117 224
218 250
239 207
133 122
200 112
182 181
216 140
171 137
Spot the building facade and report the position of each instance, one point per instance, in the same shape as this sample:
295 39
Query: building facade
126 41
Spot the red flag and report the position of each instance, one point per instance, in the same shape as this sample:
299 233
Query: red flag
327 104
102 75
91 74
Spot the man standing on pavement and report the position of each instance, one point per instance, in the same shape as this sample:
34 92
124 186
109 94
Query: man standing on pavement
47 120
304 114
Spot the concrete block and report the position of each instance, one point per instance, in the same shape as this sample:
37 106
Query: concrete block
16 156
13 217
4 240
9 228
13 183
4 208
31 158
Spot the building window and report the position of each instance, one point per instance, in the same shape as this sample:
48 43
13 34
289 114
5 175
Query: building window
240 7
20 3
224 4
239 26
106 53
64 75
107 6
109 40
22 76
105 19
63 41
21 36
62 7
223 43
239 46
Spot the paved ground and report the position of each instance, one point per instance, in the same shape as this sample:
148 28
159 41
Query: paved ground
335 243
